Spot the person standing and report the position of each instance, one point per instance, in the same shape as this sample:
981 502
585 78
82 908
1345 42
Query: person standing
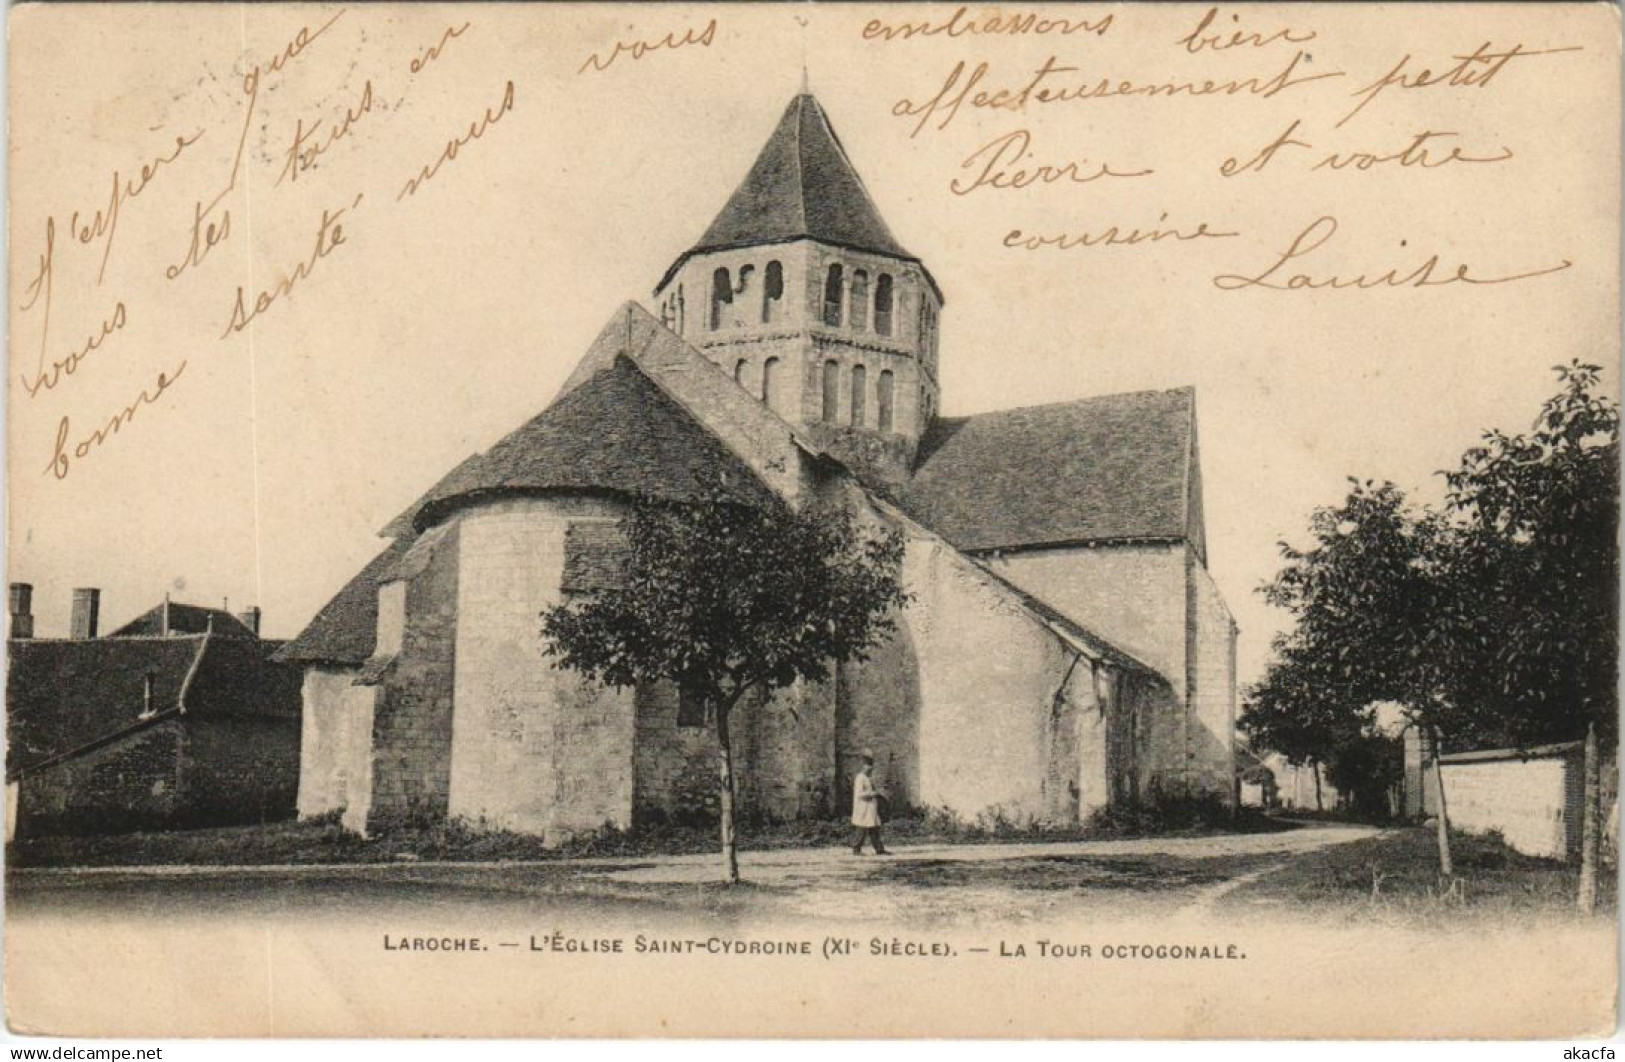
866 808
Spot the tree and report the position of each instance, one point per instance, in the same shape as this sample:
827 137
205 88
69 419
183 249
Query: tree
1493 619
1538 564
725 599
1361 595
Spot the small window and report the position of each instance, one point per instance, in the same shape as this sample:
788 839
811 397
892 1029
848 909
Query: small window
833 283
832 391
692 712
770 372
860 300
722 294
883 304
885 396
860 384
772 293
739 371
680 316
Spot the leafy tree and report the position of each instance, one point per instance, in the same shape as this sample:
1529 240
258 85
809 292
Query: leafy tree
1493 619
1363 596
1535 571
725 599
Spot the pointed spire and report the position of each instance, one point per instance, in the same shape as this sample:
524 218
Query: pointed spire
802 186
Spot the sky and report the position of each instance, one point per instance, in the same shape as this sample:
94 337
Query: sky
401 330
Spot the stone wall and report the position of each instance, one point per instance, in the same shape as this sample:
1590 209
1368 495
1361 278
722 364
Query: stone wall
239 770
130 784
989 676
412 722
1212 698
534 749
335 763
1534 800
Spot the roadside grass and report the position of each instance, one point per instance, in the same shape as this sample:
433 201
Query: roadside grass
1396 875
1141 874
324 840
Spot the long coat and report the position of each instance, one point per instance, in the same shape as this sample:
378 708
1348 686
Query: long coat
865 802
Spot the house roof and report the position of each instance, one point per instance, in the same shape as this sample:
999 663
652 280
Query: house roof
618 432
1099 469
64 695
802 186
183 619
345 629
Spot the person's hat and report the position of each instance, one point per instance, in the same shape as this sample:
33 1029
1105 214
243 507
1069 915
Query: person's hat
868 756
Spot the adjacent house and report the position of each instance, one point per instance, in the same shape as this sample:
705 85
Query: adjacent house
177 719
1065 648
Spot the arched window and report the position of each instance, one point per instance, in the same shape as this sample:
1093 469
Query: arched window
680 315
832 296
769 381
722 293
772 292
739 371
885 397
860 300
883 304
832 390
860 384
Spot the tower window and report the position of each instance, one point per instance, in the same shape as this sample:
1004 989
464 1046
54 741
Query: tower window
722 294
860 300
883 300
769 374
832 389
860 383
885 397
772 292
739 371
832 296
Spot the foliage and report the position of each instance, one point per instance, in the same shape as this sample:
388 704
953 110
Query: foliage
725 599
722 598
1491 619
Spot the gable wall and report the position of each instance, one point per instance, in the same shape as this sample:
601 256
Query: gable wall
988 679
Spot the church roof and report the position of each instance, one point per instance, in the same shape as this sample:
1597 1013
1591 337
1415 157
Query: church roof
617 432
1110 468
345 629
802 186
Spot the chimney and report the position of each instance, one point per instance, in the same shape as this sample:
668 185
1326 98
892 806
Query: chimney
251 619
87 607
22 610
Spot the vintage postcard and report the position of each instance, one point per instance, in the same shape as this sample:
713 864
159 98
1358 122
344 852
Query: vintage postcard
1055 520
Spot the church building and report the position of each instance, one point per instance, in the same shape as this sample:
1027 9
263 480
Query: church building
1064 648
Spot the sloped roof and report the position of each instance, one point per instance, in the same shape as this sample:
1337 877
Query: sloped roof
61 693
616 432
1108 468
802 186
183 619
345 629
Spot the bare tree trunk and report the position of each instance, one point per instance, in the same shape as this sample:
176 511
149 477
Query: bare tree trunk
1590 824
730 849
1442 819
1319 804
